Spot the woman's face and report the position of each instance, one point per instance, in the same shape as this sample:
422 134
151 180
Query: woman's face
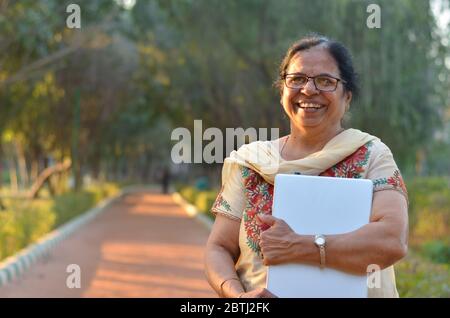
329 107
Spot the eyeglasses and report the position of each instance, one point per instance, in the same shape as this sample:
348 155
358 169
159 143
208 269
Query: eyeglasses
324 83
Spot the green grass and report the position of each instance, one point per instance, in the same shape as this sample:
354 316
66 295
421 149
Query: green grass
419 277
24 222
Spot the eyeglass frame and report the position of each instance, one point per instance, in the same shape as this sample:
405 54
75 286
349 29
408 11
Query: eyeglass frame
313 78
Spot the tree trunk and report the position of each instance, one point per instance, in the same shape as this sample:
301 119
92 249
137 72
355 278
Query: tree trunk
23 173
49 183
34 169
45 175
13 177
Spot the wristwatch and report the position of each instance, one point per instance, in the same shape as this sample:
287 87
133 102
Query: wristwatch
320 242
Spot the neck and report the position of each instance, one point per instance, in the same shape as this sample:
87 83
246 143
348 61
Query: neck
311 139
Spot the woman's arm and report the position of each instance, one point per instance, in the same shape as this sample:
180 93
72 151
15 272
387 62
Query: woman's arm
382 242
222 252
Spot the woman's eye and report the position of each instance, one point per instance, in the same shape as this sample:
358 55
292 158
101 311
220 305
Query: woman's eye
324 81
298 80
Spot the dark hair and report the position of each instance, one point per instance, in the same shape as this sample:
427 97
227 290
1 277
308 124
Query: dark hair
337 50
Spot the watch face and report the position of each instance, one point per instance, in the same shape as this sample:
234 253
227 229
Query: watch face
320 240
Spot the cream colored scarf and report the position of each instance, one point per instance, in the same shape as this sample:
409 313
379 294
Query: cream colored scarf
264 156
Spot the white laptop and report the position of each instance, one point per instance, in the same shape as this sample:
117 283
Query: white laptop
319 205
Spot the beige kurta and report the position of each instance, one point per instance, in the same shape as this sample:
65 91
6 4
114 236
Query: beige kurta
245 193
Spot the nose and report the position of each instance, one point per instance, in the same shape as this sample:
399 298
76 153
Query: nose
309 89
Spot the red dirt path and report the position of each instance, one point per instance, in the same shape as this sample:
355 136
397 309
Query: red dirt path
144 245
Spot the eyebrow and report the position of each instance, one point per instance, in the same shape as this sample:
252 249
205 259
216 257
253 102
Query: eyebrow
321 74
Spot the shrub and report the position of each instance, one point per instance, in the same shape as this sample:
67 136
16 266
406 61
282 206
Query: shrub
202 200
205 200
24 222
437 251
418 278
189 194
71 204
429 210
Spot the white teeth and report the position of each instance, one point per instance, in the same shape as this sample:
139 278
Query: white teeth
310 105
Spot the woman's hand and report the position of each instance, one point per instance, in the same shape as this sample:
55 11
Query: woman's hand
257 293
279 242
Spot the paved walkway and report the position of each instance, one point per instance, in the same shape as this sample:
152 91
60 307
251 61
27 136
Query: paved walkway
143 246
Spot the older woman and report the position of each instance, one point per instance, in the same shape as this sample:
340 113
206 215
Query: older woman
317 82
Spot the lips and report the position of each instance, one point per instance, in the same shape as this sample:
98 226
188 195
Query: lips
309 107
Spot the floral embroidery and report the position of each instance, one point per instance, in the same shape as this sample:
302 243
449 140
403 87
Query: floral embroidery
353 166
395 180
259 195
221 202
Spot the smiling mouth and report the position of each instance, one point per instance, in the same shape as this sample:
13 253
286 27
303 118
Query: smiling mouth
309 106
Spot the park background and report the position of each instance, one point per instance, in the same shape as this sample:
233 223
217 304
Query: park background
85 112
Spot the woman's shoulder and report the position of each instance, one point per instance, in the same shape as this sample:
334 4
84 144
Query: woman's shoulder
259 143
251 145
262 147
380 157
378 148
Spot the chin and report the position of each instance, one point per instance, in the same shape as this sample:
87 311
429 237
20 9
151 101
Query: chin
306 123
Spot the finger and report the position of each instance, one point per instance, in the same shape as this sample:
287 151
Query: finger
266 219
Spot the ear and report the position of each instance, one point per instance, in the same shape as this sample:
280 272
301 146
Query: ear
348 98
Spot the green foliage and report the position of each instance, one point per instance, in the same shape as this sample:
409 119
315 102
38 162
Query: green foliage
417 277
233 48
72 204
69 205
202 200
144 71
189 193
437 251
23 223
103 190
429 210
205 200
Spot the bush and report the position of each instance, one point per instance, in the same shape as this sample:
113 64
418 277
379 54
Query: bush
437 251
202 200
189 194
418 278
429 210
23 223
205 200
104 190
71 204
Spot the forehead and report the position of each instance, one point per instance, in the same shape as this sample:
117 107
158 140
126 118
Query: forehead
313 61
